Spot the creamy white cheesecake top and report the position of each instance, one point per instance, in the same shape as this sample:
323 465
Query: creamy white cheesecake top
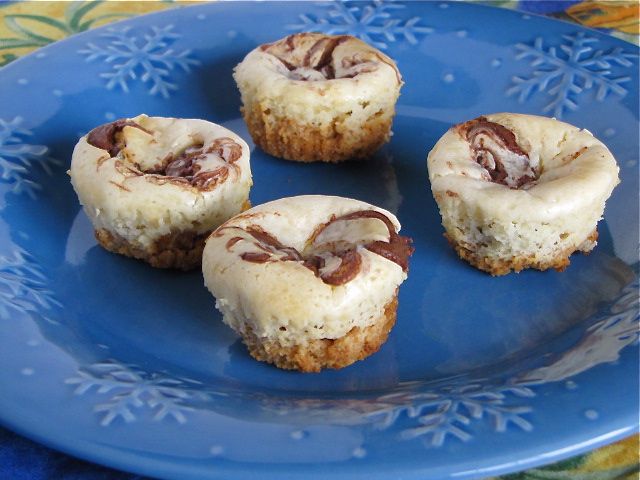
522 167
311 76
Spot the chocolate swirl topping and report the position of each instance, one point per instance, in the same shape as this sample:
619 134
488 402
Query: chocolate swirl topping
107 136
397 249
496 149
317 63
184 169
177 169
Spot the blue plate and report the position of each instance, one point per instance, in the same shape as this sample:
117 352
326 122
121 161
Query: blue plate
113 361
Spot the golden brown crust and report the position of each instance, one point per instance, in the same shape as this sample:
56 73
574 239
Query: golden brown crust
502 266
285 138
356 345
180 250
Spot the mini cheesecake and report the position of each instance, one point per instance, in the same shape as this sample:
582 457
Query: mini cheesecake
154 188
520 191
308 282
313 97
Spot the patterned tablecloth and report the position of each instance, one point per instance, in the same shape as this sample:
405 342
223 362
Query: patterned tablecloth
27 26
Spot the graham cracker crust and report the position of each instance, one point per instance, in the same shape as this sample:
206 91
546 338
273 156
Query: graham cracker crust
182 251
285 138
317 354
501 266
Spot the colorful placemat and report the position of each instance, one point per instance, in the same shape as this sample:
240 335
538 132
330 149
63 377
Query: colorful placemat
27 26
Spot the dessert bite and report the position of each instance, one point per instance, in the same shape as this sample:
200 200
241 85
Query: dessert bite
308 282
154 188
314 97
520 191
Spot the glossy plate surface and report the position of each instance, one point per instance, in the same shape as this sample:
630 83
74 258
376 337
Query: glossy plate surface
113 361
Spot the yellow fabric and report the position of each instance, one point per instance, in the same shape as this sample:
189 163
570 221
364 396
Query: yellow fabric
623 453
30 21
622 16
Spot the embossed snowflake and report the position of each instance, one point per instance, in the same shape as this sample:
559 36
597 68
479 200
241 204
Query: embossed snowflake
374 22
431 412
617 328
23 286
446 411
148 57
18 158
568 71
130 389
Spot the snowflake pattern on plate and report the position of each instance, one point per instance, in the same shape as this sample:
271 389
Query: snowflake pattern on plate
434 411
148 57
568 71
445 411
18 158
373 22
602 343
130 388
23 287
